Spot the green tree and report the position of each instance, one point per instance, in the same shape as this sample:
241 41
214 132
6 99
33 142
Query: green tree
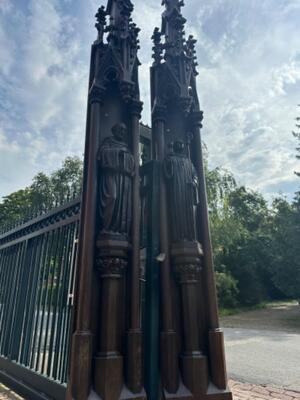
240 222
286 249
15 206
296 134
68 179
44 193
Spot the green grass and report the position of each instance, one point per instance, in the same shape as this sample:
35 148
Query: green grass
226 312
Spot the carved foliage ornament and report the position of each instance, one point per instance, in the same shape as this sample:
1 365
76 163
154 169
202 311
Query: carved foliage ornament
188 272
111 267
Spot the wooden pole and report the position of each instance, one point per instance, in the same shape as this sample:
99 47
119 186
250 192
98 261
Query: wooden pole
215 335
134 370
169 351
81 355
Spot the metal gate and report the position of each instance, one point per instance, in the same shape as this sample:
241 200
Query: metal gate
37 275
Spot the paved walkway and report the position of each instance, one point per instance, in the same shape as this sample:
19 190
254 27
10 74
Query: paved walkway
241 391
7 394
263 357
246 391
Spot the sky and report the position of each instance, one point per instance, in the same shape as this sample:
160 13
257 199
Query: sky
249 84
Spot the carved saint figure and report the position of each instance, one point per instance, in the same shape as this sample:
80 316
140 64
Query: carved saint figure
182 186
115 184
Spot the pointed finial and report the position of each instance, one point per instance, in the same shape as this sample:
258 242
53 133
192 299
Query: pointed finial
158 46
101 22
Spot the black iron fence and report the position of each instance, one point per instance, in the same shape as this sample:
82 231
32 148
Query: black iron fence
37 278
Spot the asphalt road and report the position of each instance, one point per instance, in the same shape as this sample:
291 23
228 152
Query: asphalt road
263 357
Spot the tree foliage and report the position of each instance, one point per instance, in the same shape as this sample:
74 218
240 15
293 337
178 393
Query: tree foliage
44 193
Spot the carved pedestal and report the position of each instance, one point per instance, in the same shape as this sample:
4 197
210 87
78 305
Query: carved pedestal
112 260
186 258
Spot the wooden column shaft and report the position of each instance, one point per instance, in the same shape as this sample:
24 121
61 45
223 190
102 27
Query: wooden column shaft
81 354
167 319
213 314
88 223
109 340
135 323
169 351
134 356
189 315
216 339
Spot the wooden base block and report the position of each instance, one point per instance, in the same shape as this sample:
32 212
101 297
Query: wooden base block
128 395
213 393
134 370
109 376
195 373
217 358
181 394
169 360
80 374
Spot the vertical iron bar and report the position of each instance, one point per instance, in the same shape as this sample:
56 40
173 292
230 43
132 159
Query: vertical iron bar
62 328
21 302
56 310
29 321
42 271
44 298
4 279
10 258
15 289
71 299
58 244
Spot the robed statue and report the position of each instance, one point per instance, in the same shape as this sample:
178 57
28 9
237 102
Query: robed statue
182 187
115 183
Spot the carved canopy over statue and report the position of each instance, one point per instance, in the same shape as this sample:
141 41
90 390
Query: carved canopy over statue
182 185
116 165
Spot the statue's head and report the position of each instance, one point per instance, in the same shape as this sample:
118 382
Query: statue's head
179 147
119 132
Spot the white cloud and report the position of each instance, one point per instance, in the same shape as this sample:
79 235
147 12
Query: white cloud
44 89
249 81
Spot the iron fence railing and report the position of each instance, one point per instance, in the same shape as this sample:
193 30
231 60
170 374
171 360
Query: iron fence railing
37 278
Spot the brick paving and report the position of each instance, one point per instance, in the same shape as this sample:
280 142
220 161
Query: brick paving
7 394
247 391
241 391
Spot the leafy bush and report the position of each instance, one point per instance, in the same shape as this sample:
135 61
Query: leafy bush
227 289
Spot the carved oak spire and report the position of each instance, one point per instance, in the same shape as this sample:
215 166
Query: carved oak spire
118 39
190 370
177 54
173 27
109 250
